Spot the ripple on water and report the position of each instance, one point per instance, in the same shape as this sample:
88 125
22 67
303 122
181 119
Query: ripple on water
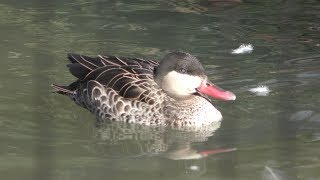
304 61
309 74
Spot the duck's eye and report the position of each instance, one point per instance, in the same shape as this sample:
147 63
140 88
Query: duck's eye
182 70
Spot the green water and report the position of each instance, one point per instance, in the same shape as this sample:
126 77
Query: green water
45 136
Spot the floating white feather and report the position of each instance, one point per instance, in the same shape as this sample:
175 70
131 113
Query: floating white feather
260 90
242 49
194 168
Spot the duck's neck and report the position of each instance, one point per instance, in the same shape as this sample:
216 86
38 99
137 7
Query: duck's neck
183 99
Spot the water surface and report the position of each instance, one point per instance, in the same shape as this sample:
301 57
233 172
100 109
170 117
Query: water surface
46 136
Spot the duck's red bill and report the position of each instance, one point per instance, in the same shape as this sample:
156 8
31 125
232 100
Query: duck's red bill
216 92
216 151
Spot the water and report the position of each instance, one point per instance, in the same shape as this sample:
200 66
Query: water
46 136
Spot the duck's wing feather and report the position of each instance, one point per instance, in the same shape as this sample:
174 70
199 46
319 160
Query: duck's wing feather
131 78
82 65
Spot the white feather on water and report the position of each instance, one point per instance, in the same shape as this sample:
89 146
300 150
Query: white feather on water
243 49
261 90
194 168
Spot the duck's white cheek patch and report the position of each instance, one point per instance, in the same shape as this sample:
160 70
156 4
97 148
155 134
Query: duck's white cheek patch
180 84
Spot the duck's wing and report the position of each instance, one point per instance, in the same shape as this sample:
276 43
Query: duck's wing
131 78
81 65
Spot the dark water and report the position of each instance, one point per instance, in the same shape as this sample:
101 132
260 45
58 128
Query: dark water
45 136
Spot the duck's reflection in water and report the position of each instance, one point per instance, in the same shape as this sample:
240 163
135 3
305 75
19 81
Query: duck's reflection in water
121 141
139 140
123 150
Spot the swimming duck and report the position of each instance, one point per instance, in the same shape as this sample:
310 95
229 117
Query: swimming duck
172 92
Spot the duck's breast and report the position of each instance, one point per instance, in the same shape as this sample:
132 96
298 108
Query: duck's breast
205 113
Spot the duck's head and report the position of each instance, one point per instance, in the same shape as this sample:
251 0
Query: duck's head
181 75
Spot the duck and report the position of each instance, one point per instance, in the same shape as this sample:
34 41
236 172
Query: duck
171 92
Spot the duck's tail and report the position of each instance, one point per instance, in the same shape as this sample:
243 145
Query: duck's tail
66 90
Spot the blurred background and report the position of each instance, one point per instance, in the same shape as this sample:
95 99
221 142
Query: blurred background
277 135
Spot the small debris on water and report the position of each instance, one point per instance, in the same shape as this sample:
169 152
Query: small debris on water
260 90
194 168
243 49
